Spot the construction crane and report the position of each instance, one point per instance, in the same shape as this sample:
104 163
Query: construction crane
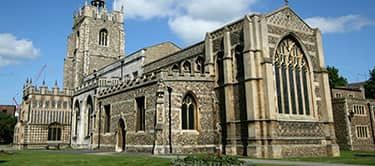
36 81
40 73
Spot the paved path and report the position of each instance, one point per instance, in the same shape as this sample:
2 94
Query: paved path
278 162
255 161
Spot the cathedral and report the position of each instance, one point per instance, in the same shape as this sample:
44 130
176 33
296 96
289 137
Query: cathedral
256 87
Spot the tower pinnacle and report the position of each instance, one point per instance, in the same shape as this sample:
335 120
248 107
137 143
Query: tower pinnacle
286 2
98 3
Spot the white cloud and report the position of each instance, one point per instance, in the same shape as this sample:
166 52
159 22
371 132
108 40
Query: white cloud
202 16
339 24
145 9
191 30
10 46
13 50
217 10
4 62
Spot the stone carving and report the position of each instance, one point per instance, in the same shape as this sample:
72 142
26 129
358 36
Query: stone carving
287 18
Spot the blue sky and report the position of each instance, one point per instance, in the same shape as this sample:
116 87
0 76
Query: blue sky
33 33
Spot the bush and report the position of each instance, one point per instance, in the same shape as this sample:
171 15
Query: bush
209 160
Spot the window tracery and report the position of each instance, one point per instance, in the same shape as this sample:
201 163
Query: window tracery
292 78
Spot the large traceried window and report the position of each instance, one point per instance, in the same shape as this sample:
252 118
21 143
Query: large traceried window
103 37
292 78
188 113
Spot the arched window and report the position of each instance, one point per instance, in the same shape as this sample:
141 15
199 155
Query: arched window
89 114
54 132
188 113
77 112
175 68
103 37
77 39
187 67
292 78
199 65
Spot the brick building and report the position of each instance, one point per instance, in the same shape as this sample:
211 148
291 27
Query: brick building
8 109
354 118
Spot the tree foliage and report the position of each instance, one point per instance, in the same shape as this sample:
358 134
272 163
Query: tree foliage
370 85
335 80
7 124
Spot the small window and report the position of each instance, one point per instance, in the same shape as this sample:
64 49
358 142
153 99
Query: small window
362 131
141 121
40 104
107 118
59 104
46 104
188 113
103 37
187 67
175 68
199 65
65 104
53 104
359 110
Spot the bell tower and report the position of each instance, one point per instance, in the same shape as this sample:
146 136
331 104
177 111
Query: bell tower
97 39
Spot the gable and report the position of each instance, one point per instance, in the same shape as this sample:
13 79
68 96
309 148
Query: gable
285 17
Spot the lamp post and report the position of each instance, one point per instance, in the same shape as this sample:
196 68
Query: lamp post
170 119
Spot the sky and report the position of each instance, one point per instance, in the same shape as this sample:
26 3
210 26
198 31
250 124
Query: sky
33 33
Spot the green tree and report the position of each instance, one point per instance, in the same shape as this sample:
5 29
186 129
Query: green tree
335 80
370 85
7 124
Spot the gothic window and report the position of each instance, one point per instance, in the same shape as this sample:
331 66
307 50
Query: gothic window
59 104
103 37
77 112
77 40
199 65
107 118
292 78
54 133
188 113
40 104
175 68
141 121
89 113
187 67
47 104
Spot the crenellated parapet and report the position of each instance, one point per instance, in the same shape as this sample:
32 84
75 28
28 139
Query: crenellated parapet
98 13
99 83
30 89
129 83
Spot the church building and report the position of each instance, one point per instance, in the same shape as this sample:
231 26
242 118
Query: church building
257 87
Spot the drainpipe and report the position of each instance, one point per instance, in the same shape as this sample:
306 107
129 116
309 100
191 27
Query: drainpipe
371 122
100 124
170 119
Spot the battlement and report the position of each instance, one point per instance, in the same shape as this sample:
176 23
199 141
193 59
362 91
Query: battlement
30 89
97 83
98 14
129 83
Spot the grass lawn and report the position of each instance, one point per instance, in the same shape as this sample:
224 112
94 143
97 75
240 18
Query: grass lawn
346 157
35 158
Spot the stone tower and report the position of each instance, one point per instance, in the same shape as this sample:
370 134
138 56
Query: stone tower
97 39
